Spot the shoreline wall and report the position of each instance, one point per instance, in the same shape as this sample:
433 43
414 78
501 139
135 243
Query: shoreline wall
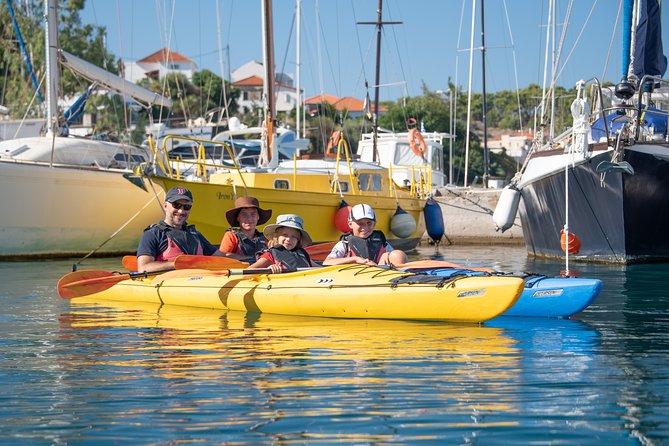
468 218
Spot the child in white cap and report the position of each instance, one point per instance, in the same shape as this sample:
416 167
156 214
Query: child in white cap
285 241
363 244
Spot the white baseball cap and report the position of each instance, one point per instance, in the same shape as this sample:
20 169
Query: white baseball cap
360 211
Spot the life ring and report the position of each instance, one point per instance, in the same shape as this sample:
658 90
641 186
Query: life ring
417 143
333 142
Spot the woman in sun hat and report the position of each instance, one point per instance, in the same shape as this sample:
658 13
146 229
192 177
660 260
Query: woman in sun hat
243 240
286 241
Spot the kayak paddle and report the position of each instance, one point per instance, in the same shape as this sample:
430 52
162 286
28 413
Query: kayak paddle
87 282
184 261
212 263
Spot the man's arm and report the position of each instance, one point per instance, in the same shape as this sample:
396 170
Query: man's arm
146 263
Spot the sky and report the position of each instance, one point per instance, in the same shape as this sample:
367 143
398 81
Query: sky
429 47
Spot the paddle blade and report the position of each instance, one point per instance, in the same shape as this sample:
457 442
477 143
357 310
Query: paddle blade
130 263
211 263
86 282
320 251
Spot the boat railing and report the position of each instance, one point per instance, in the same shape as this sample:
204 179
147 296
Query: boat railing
342 147
596 96
648 83
418 181
635 110
435 137
201 165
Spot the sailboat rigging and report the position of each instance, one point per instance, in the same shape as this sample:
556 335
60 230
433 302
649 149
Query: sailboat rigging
312 188
615 156
379 28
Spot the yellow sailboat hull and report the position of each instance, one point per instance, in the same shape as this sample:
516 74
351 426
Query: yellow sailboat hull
317 208
350 291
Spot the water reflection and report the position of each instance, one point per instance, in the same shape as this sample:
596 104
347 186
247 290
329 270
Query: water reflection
105 372
316 378
632 315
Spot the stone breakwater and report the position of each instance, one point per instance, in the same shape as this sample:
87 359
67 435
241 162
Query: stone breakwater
468 217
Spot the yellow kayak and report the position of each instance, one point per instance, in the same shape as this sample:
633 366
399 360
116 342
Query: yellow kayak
344 291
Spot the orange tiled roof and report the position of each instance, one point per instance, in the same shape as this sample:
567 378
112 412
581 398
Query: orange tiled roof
165 55
251 81
347 103
319 99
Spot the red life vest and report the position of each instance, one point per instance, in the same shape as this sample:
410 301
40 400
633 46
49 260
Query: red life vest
179 241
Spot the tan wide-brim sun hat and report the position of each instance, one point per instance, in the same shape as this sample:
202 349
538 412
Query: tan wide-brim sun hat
288 221
247 202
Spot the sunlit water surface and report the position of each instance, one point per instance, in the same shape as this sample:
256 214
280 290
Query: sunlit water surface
92 373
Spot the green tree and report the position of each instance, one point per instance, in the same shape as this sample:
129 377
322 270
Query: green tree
16 89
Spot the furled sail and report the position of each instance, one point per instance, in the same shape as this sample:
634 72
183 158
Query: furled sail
649 58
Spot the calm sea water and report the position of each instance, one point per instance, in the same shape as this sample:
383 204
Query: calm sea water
88 373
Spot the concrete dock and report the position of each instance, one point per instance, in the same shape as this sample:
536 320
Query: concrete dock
468 217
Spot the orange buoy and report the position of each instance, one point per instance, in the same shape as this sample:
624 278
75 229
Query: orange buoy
341 217
574 242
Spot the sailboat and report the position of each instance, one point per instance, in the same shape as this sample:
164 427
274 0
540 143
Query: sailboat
65 196
600 191
319 190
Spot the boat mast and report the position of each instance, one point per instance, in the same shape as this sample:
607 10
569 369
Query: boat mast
379 26
469 93
486 152
542 123
377 81
268 53
51 61
298 13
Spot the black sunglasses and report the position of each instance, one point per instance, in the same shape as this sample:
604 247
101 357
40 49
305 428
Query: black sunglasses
177 205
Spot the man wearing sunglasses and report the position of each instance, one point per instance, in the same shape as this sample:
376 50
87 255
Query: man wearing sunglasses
163 242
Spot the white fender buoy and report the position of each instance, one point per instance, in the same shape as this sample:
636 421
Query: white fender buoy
506 209
402 224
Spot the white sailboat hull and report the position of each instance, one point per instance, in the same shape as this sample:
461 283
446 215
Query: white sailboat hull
68 211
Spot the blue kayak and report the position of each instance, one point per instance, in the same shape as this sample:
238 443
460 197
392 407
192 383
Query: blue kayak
542 296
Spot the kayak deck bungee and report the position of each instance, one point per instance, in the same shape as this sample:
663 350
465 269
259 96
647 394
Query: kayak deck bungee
542 296
344 291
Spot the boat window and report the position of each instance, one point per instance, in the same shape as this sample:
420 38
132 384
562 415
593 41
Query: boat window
404 156
281 184
438 160
125 158
370 181
343 187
